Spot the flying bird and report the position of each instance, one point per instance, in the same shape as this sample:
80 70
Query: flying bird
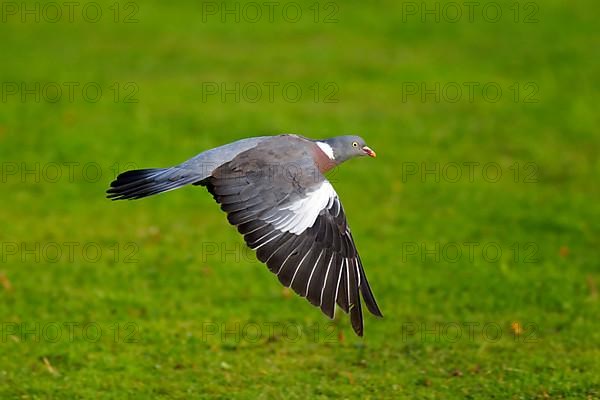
274 191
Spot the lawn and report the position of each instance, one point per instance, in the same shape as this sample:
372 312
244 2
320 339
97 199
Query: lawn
476 223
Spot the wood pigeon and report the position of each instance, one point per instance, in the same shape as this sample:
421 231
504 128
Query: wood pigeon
274 191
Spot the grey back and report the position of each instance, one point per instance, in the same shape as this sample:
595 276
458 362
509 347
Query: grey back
206 162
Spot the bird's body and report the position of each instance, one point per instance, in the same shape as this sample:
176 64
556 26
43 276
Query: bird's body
273 190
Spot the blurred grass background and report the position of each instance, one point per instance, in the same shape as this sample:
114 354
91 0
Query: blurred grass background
162 302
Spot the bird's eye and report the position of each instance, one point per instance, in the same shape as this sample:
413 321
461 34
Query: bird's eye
355 144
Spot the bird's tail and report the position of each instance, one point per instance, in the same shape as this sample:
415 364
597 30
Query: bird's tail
139 183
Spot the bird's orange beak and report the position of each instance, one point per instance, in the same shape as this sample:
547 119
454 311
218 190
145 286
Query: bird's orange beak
369 152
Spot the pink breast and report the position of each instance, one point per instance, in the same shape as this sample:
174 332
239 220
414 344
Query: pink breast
322 160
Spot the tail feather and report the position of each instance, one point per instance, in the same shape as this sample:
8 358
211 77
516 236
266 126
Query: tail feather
140 183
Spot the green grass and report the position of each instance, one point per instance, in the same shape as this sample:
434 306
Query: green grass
168 298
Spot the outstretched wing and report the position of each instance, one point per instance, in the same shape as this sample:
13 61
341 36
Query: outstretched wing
291 215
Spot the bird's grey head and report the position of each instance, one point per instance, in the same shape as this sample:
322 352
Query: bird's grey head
347 147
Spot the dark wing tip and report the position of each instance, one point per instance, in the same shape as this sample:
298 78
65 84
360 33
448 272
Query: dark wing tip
356 318
366 291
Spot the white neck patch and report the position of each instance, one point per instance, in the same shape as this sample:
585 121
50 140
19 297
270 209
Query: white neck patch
326 149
